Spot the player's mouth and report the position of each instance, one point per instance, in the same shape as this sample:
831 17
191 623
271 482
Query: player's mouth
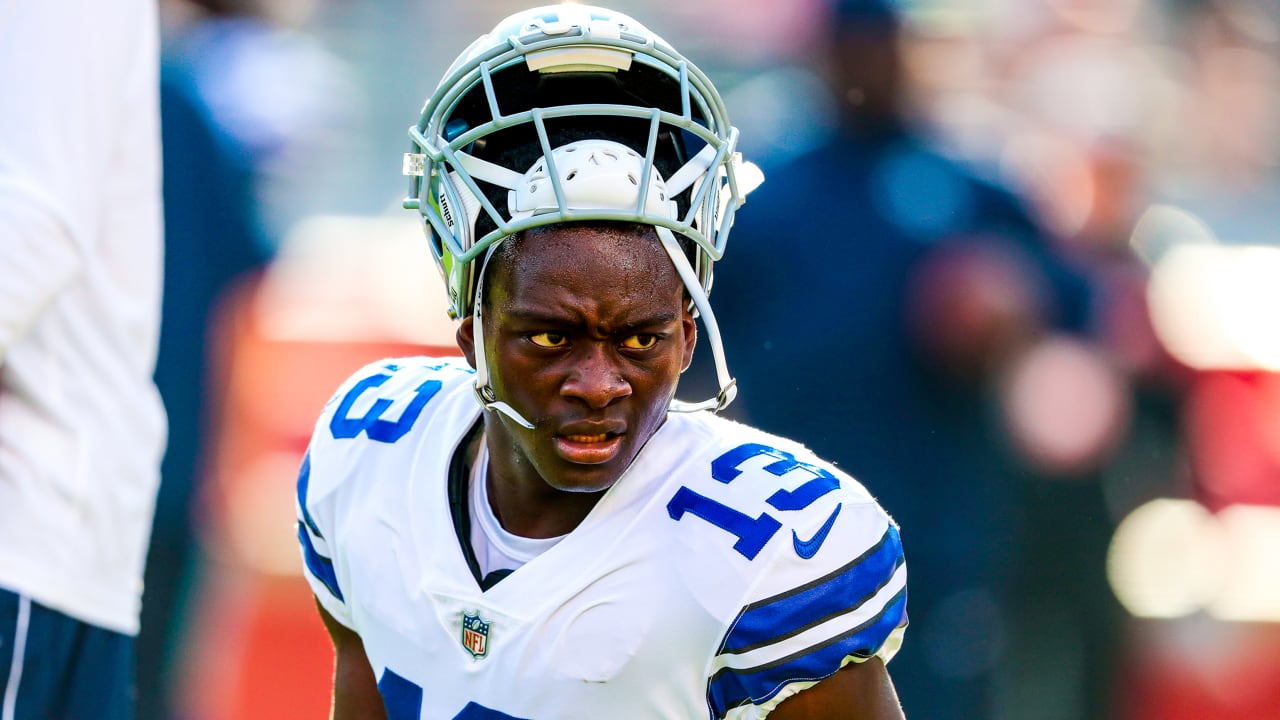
588 448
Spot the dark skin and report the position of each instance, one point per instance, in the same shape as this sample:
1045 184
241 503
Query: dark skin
591 331
593 371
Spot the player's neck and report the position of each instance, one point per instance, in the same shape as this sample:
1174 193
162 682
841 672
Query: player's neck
526 505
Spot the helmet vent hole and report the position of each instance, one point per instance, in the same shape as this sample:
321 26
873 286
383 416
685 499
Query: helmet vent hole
572 174
633 179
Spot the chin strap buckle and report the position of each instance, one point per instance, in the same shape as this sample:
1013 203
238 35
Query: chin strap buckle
489 400
726 394
715 404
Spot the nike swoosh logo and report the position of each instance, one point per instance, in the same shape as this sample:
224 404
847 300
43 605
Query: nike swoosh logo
808 548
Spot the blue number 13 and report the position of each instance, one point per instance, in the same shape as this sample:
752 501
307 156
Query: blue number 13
752 533
371 423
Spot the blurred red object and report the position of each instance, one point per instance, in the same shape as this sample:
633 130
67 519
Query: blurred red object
1211 672
1233 437
257 647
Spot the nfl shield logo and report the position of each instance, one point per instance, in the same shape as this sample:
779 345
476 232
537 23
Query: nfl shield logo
475 635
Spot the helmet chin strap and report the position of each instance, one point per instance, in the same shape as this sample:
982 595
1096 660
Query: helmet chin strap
484 391
728 386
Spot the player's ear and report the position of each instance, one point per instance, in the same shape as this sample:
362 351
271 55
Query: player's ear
467 339
690 327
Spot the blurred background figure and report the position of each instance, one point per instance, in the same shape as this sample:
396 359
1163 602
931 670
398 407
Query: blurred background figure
872 306
251 112
82 429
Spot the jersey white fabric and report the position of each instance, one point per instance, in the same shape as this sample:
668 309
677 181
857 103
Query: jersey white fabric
81 424
726 570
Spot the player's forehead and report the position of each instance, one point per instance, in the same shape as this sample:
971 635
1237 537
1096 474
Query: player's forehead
598 259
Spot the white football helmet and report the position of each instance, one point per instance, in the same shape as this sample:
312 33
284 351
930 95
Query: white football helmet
570 113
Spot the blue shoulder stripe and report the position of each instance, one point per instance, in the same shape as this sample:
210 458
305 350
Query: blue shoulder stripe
731 688
320 566
791 613
304 479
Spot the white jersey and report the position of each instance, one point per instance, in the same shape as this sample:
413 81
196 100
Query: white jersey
724 571
82 428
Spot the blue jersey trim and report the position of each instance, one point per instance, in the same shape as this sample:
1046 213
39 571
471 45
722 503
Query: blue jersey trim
401 698
320 566
843 591
304 479
733 688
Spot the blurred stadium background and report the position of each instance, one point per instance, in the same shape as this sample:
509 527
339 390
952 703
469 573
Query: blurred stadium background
1143 134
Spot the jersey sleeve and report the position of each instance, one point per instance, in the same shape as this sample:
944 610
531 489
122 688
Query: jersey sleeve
835 593
318 491
374 408
317 555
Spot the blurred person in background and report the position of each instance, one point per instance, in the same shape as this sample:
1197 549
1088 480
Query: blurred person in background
247 107
82 427
887 351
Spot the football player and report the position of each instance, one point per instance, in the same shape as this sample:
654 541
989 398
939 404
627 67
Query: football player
539 530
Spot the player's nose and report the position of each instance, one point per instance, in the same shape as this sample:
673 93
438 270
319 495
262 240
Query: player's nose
596 378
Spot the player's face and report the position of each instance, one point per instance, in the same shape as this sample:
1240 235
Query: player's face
586 333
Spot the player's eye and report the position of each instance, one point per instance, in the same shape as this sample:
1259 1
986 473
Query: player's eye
643 341
548 340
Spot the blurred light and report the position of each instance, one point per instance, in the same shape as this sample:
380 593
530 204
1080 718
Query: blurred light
1252 588
1170 558
1164 227
1166 559
1065 406
1214 307
1256 298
